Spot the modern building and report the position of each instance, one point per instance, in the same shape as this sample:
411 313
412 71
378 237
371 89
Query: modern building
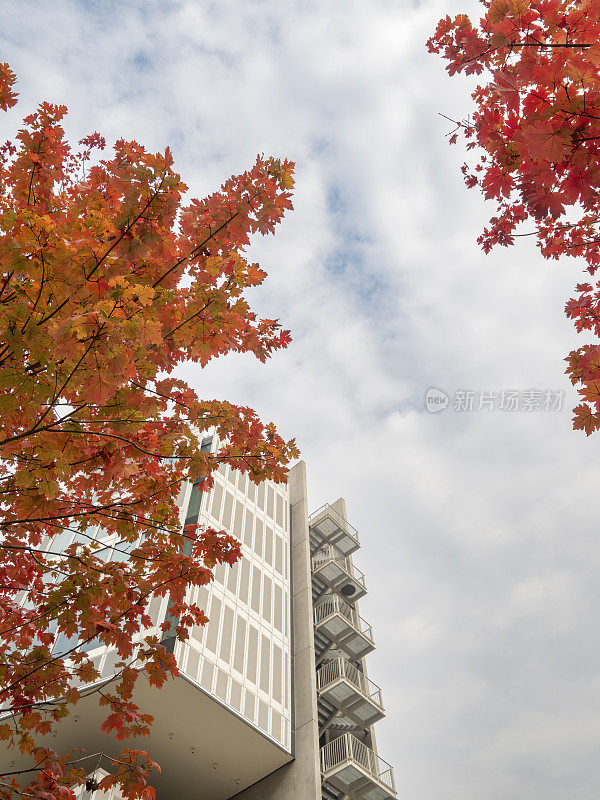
273 701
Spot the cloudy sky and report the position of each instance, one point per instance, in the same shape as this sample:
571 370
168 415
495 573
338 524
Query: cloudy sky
479 528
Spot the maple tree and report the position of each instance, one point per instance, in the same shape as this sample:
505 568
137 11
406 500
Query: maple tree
108 281
536 128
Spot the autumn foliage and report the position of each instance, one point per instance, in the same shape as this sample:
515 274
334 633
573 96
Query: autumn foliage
535 128
108 281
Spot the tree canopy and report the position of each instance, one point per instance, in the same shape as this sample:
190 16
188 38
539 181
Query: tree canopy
535 129
109 279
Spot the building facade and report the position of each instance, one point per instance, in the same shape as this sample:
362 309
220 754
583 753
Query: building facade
273 701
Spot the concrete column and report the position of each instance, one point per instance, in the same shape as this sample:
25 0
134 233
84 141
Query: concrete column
301 778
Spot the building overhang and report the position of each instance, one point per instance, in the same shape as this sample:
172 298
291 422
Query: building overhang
205 751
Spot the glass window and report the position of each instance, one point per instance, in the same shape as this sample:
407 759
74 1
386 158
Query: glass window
193 508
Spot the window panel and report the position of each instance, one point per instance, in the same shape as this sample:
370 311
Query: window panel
258 537
235 695
260 499
266 607
237 519
226 634
271 502
278 555
263 716
252 654
208 672
244 580
279 516
255 600
278 608
232 577
213 625
240 645
227 510
202 598
154 609
215 508
277 670
251 491
276 725
193 508
269 545
249 706
248 528
193 662
221 687
265 664
220 573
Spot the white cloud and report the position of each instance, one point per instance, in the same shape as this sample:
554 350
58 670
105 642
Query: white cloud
479 530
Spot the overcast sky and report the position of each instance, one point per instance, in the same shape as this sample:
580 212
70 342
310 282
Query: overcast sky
480 529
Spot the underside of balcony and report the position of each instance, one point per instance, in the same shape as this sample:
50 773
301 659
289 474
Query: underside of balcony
356 700
335 573
356 771
327 527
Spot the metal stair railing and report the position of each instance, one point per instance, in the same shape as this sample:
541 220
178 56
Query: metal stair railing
332 604
342 523
348 748
342 668
329 553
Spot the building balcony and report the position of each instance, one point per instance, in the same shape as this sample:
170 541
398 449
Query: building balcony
344 627
327 527
356 698
339 574
354 769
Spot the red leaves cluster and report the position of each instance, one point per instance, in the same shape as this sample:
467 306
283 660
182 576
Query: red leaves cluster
536 126
107 283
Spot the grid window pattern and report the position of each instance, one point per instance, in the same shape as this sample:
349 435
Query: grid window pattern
242 656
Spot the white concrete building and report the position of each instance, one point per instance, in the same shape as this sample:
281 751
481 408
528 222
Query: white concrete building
273 700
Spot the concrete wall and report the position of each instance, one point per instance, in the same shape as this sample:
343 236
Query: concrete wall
301 779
